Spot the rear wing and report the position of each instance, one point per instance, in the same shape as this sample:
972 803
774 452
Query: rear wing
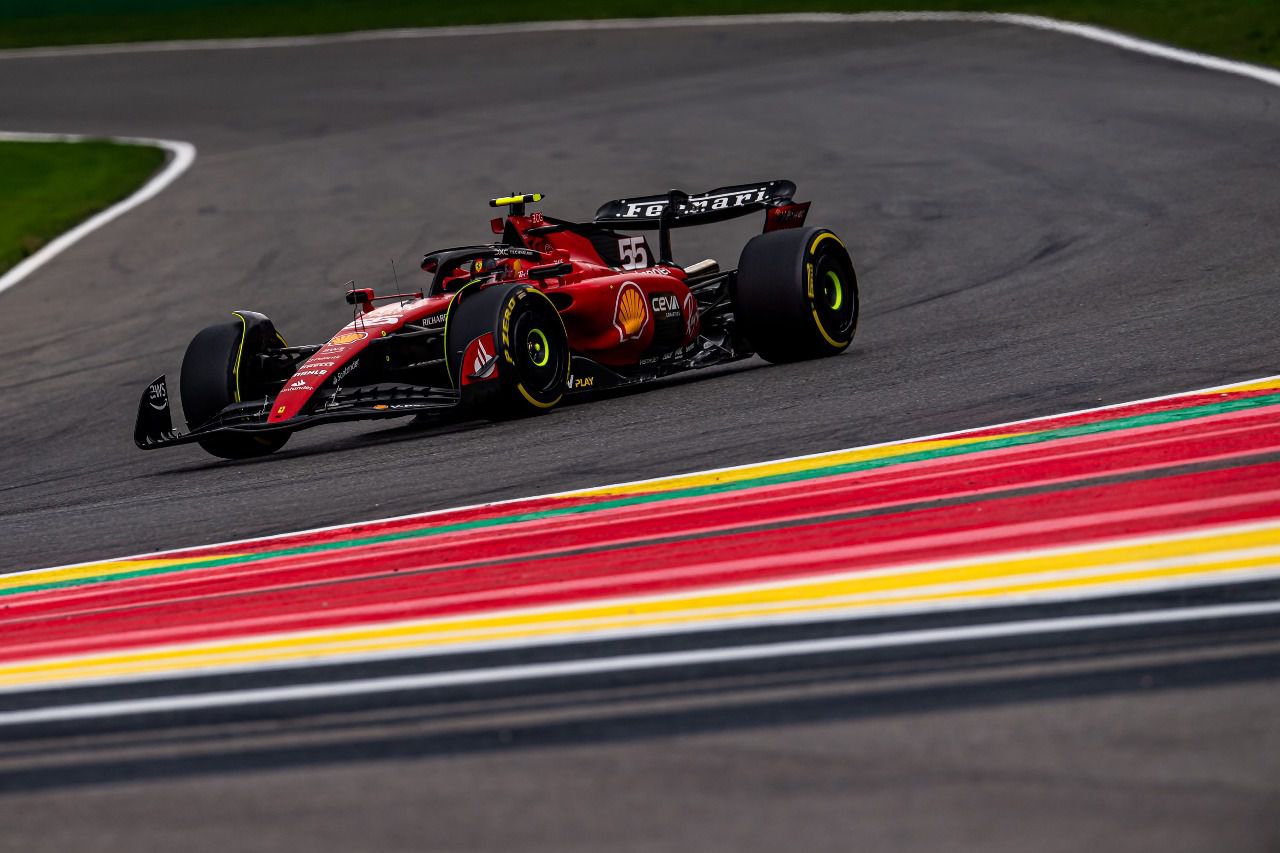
677 209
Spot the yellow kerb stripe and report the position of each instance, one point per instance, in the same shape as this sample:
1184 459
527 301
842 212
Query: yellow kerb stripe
94 570
791 466
1263 385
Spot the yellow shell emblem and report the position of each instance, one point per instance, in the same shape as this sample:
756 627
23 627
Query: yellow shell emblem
631 314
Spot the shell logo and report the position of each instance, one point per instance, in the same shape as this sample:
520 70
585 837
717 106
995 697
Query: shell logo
347 338
631 314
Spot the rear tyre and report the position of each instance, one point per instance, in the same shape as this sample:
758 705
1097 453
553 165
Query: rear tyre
215 371
530 348
796 295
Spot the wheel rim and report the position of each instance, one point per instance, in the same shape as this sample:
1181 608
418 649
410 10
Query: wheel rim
541 370
833 291
834 300
539 348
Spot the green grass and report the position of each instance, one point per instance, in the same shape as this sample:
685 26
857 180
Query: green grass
48 187
1243 29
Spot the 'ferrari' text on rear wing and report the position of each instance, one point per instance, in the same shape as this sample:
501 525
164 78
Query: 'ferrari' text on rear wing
713 206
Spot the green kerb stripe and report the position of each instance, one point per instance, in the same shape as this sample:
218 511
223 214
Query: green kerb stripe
1133 422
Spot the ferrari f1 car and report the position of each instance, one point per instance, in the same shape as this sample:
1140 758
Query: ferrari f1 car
509 328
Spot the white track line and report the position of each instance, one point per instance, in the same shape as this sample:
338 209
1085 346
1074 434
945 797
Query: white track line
623 663
181 156
1036 22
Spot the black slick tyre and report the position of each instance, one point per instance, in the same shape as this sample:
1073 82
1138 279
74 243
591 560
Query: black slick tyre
531 350
796 295
216 372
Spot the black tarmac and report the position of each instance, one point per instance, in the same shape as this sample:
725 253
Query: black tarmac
1040 224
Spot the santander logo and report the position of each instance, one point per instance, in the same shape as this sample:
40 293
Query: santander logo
482 357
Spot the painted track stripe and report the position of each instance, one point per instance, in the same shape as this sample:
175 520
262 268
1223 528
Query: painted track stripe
1213 497
627 619
626 663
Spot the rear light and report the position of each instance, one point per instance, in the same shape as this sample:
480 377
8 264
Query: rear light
783 216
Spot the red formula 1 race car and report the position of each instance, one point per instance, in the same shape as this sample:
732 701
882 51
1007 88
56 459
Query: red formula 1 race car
510 328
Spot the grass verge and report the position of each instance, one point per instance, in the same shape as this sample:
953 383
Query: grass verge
1241 29
47 188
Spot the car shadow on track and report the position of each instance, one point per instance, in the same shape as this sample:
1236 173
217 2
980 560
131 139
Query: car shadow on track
436 426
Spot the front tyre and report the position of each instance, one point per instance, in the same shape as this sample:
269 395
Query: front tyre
530 351
796 295
218 370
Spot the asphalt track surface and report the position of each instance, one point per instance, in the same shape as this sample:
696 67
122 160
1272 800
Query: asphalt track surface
1040 224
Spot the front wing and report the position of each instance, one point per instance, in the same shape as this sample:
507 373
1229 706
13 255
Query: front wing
154 427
